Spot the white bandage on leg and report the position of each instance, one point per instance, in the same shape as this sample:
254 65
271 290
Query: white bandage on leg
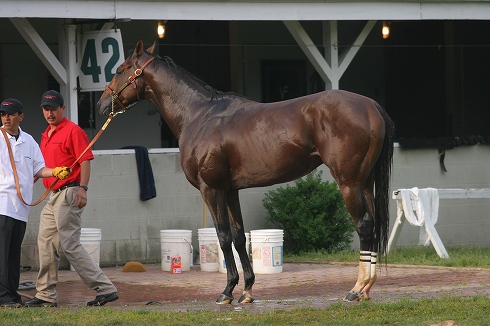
364 267
374 259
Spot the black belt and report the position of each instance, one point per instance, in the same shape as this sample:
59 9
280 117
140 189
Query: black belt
68 185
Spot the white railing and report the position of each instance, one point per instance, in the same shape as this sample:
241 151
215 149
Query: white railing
428 222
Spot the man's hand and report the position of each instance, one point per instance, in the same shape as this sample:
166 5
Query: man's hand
61 172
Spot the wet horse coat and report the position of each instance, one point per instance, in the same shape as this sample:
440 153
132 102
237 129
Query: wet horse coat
228 143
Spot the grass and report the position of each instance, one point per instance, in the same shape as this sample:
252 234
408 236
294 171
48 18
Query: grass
465 311
458 257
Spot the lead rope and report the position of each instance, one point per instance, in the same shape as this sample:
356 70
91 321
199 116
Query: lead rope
16 177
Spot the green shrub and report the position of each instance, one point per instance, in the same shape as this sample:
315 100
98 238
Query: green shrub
312 214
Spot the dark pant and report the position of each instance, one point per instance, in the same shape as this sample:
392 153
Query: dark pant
11 235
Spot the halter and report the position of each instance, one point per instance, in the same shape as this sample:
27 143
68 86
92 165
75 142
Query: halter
131 80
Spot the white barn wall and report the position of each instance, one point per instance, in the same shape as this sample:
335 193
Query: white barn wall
131 228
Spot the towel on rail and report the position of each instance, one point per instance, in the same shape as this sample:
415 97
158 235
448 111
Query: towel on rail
145 173
420 206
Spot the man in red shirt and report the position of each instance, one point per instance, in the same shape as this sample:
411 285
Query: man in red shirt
60 224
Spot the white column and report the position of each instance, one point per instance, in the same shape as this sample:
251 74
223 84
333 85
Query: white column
68 57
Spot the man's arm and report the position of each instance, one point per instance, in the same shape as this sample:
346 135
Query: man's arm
61 172
81 198
85 173
44 173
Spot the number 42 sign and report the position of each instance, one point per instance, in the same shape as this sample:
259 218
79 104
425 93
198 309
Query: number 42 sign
101 53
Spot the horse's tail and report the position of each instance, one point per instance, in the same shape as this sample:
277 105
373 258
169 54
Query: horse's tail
382 175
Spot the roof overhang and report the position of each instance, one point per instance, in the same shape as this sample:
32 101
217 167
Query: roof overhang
248 11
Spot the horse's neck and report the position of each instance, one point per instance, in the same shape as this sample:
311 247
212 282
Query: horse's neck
178 103
182 100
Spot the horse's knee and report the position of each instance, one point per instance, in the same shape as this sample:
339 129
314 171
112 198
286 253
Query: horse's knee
225 242
240 241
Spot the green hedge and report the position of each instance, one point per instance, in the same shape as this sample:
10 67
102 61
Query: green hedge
312 214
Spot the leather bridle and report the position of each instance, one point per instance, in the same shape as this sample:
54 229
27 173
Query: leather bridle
131 80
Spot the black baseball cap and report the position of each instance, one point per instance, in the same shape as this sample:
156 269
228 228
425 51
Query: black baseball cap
11 106
52 98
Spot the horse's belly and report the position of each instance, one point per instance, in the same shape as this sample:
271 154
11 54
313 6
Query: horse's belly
265 173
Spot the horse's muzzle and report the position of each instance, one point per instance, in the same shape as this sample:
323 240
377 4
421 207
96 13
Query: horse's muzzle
103 110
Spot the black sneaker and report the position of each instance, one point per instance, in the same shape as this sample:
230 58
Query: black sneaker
35 302
11 304
102 299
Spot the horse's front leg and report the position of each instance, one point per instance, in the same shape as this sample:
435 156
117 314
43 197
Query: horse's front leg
216 201
248 273
232 276
239 241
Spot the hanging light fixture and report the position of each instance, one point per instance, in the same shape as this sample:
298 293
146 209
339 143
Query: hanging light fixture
161 29
385 30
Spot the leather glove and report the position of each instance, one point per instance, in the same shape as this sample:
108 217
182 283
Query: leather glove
61 172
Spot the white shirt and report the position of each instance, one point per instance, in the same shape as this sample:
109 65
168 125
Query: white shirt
28 160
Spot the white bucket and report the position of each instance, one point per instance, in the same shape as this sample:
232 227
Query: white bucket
90 240
238 263
176 243
208 249
267 250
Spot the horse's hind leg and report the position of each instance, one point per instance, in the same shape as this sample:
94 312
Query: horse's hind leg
239 241
370 240
216 201
360 204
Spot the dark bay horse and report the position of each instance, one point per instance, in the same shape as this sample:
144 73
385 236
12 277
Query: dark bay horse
228 143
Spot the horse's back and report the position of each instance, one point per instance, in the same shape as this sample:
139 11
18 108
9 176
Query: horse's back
332 107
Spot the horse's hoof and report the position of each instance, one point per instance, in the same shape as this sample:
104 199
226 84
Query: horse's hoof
363 296
352 296
224 299
245 299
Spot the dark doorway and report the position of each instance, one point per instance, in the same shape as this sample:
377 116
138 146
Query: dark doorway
437 78
202 48
283 79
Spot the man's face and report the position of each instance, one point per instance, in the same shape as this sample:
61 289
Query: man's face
11 122
53 115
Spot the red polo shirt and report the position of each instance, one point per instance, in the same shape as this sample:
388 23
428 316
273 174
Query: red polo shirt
64 146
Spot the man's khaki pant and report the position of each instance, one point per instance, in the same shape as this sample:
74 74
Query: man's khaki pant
59 231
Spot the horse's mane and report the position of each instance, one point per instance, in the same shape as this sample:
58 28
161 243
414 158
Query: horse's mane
214 94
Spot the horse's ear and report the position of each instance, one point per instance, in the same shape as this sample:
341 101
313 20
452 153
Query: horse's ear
151 48
139 48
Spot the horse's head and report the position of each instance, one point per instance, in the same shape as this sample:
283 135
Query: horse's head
127 87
